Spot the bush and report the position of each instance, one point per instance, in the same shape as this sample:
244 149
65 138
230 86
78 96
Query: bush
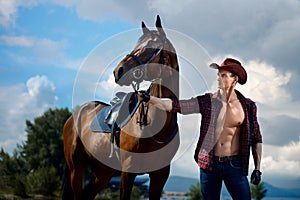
43 181
20 186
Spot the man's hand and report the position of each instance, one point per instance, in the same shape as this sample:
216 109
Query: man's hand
255 177
143 96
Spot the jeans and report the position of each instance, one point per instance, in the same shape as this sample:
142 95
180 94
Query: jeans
231 173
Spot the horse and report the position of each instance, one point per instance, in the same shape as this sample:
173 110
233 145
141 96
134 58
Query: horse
146 143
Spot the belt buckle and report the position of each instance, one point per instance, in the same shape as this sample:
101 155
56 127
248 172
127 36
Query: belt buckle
222 159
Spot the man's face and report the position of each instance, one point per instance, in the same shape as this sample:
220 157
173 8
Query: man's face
226 79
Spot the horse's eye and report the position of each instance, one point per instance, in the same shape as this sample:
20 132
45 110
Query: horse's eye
151 44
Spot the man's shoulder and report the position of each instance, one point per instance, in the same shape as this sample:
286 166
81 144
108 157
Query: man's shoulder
241 97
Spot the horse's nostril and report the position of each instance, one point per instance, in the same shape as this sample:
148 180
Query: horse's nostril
120 72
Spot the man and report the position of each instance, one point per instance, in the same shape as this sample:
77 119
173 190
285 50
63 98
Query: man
228 129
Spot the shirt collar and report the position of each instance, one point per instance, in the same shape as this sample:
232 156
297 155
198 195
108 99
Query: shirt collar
217 95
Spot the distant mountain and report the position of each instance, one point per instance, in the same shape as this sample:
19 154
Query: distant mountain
182 184
281 192
179 184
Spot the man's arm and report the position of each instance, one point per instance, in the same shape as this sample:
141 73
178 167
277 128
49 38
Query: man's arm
256 174
161 103
256 153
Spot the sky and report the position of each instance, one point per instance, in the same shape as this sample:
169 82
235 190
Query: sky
57 54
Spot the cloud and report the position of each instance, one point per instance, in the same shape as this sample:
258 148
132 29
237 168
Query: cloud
267 32
22 102
265 84
46 51
21 41
9 10
284 161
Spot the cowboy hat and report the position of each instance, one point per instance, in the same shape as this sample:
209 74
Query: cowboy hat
233 66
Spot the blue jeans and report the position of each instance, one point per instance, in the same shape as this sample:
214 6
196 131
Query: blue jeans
231 173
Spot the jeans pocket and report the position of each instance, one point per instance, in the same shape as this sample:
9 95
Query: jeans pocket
236 164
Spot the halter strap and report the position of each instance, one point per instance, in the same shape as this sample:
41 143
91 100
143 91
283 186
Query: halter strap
156 52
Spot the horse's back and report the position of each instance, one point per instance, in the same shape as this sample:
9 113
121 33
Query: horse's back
81 141
77 124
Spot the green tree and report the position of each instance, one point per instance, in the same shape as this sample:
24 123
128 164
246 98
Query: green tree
37 165
12 173
43 181
259 191
44 144
195 192
136 193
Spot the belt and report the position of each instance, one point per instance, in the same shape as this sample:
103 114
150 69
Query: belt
226 158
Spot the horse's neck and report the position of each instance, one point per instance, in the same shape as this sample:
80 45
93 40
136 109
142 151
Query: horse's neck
168 85
163 89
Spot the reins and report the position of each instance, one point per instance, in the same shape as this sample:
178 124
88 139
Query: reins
135 85
144 108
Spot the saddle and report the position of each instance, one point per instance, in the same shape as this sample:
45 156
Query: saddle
113 117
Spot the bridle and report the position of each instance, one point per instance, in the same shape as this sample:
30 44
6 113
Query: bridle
139 72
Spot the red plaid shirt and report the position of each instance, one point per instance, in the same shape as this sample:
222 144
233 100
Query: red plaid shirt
209 106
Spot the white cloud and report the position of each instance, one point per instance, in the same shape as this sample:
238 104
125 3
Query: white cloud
278 163
50 51
265 84
174 6
9 10
108 85
46 51
23 102
284 161
22 41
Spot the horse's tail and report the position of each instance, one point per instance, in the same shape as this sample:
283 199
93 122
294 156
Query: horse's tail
67 193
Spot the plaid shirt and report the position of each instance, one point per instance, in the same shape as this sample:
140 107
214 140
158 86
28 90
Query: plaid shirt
209 106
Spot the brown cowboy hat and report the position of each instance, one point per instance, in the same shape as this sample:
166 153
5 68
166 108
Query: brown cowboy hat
234 67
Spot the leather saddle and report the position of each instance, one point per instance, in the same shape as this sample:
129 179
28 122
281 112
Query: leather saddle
116 115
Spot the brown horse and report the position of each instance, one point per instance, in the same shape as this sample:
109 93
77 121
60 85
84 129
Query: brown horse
147 143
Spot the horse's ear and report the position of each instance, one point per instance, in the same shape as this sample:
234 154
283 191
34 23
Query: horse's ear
145 29
159 26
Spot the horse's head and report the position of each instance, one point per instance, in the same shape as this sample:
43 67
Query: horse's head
153 57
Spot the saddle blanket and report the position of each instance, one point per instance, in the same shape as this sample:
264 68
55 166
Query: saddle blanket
119 113
98 124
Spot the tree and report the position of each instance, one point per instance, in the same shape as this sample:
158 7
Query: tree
43 181
44 144
12 173
136 193
259 191
37 165
195 192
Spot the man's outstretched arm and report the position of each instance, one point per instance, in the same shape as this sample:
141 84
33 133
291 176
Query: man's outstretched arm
161 103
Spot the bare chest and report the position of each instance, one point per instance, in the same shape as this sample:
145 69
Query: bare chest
234 115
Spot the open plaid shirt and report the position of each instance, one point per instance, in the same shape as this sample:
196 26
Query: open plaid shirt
209 105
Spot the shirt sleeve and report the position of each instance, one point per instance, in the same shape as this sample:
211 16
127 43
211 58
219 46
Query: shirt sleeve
257 137
190 106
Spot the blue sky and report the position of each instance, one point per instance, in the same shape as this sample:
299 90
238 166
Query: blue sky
44 46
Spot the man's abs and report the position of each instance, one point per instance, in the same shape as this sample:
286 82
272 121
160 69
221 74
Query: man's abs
228 143
228 130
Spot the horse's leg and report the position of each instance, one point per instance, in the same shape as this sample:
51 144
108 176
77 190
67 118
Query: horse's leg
157 182
100 179
76 174
67 193
127 180
71 145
